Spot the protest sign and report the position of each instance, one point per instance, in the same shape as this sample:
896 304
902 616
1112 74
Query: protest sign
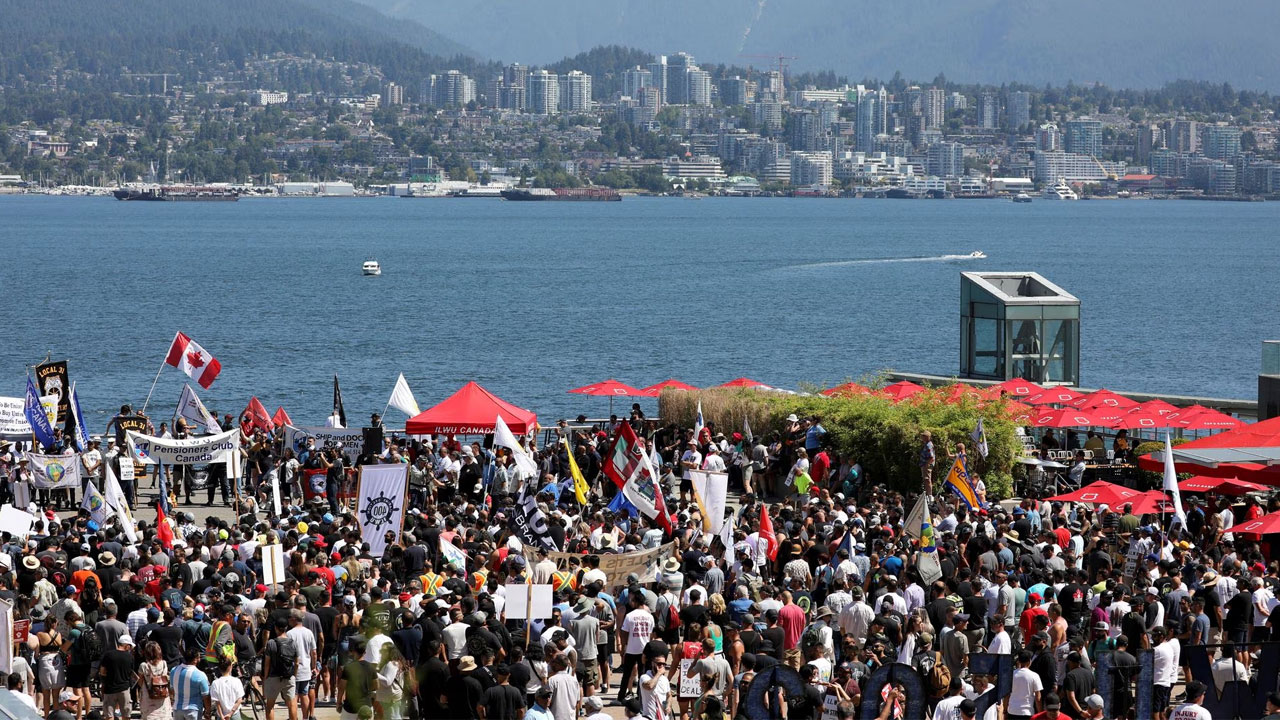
13 421
616 566
54 471
15 522
189 451
349 440
528 601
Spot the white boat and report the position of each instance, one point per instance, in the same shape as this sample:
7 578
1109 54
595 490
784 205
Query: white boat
1022 198
371 267
1060 191
978 255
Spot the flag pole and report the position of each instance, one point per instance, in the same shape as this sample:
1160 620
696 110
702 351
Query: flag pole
153 389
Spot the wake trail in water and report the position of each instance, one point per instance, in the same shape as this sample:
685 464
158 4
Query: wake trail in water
880 261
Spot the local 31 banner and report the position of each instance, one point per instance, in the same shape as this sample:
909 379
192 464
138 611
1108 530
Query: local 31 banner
192 451
52 380
54 471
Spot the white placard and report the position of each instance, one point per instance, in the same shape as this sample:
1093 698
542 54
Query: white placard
690 687
15 522
528 602
6 637
272 565
126 468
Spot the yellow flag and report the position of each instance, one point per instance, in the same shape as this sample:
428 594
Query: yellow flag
580 487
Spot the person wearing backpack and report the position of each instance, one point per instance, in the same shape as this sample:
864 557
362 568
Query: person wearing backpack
83 647
153 681
279 667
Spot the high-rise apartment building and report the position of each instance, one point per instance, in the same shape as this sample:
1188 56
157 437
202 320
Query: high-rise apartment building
733 91
1150 137
935 108
988 111
811 168
634 80
1221 142
1083 137
1184 136
575 93
395 94
697 87
658 77
1018 109
543 93
1048 138
512 91
945 160
865 129
452 89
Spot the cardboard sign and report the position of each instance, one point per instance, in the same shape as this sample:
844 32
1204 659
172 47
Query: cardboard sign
273 565
525 602
21 628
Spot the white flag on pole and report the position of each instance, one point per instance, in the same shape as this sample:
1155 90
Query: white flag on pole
1171 483
979 437
195 413
402 398
698 424
503 437
95 504
913 525
746 430
453 555
114 496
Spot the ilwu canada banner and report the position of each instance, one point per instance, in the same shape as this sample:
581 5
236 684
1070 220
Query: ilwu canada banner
191 451
529 522
381 503
54 471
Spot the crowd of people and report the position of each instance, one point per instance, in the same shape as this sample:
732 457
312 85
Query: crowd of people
178 622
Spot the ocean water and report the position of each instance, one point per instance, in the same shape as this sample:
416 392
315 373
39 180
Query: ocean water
532 299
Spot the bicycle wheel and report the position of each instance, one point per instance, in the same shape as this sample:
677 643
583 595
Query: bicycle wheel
254 708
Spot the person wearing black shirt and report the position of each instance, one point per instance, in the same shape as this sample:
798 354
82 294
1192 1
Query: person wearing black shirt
1073 601
465 691
116 670
1124 669
169 638
1076 686
1239 615
433 680
502 701
774 634
808 706
358 680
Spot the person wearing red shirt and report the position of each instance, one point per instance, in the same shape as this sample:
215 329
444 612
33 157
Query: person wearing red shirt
1026 621
1062 535
818 469
791 620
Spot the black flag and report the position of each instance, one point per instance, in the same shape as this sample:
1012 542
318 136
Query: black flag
337 403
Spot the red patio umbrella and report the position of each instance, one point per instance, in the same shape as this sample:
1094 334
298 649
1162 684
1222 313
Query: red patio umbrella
1103 398
656 389
957 391
745 383
1100 492
609 388
1067 418
1247 435
1155 406
1152 502
901 390
1141 420
1208 419
1018 387
1222 486
1258 526
1020 413
846 390
1053 396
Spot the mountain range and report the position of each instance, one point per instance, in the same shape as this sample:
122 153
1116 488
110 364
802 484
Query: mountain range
1135 43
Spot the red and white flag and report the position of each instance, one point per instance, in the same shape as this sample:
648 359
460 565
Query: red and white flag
766 532
193 360
258 417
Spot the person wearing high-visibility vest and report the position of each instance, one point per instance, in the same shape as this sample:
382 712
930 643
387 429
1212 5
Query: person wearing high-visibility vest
564 579
222 640
431 582
478 580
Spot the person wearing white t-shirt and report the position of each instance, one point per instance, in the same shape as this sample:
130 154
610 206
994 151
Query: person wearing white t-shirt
305 641
1024 697
227 693
1001 643
1192 709
713 463
634 633
690 460
948 708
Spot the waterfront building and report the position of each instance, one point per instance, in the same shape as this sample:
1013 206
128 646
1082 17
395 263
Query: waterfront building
1168 163
945 159
1052 166
1018 109
575 95
543 93
703 167
811 168
1214 177
1083 137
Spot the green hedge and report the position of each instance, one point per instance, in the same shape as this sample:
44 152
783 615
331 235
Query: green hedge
880 434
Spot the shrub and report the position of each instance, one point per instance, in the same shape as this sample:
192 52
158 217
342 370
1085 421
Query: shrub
875 431
1150 480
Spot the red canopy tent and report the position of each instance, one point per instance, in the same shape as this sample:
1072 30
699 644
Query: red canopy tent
1053 396
1103 398
1019 388
901 390
745 383
1259 434
656 389
1100 492
470 411
846 390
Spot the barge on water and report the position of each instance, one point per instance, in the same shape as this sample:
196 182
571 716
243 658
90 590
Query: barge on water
568 194
177 193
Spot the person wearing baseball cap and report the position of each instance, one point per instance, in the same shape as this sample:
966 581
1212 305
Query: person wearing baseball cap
1192 708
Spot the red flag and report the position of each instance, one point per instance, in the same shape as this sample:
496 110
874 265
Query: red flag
258 416
164 532
624 456
187 355
281 418
766 532
664 517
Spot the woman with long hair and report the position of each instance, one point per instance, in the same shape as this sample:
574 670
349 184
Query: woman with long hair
153 684
390 693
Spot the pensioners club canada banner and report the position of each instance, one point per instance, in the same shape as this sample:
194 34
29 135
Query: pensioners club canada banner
191 451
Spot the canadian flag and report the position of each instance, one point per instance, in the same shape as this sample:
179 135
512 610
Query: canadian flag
193 360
